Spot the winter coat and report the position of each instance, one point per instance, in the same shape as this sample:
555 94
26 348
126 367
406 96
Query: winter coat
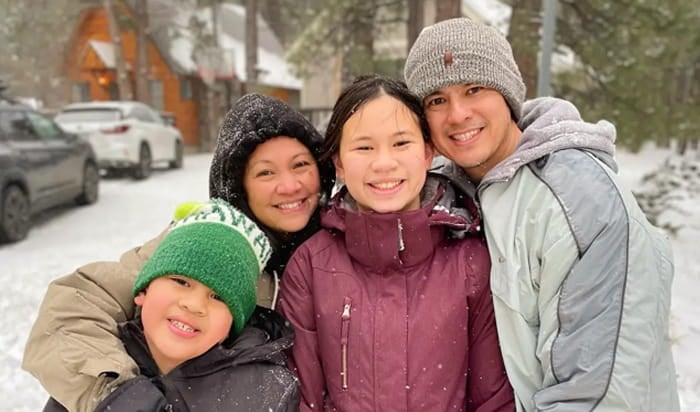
73 348
248 374
581 280
391 314
70 347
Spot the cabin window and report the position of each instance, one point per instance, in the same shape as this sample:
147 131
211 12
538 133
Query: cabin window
185 89
156 89
113 90
81 92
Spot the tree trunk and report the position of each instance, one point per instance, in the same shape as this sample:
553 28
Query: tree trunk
251 46
681 146
209 143
415 23
358 58
142 68
447 9
524 37
123 83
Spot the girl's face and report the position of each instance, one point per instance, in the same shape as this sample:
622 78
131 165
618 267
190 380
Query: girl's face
282 183
382 157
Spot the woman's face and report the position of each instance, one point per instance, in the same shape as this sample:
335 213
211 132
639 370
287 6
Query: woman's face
382 156
282 183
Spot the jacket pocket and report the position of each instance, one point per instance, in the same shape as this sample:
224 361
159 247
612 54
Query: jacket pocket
344 332
515 290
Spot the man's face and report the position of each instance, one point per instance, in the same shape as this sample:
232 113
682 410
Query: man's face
472 126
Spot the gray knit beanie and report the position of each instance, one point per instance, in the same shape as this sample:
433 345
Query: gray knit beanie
462 51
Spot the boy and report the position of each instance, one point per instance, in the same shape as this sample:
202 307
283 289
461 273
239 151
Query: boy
199 340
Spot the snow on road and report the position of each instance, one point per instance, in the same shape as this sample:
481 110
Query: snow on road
131 212
127 214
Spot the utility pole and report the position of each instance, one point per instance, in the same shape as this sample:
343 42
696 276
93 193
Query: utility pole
549 19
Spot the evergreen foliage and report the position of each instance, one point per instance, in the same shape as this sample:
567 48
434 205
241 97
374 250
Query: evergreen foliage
637 65
667 191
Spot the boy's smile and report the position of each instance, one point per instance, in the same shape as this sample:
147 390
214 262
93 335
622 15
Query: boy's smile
182 319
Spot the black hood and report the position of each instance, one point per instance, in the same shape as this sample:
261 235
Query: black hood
253 120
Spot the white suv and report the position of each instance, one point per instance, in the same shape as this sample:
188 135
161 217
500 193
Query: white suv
124 135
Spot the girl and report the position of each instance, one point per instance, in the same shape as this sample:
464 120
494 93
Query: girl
266 164
392 312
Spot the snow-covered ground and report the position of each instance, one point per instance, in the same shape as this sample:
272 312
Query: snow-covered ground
129 213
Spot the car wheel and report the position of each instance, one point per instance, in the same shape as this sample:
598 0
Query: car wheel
143 168
91 185
14 215
177 163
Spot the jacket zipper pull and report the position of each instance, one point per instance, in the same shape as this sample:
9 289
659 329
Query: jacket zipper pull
344 331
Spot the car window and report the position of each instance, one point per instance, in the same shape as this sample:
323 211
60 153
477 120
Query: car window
97 114
44 127
158 118
15 126
142 114
5 127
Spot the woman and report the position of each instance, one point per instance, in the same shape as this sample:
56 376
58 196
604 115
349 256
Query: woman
390 301
266 164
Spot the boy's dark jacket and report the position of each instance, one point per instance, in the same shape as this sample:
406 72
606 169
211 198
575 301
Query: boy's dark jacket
248 374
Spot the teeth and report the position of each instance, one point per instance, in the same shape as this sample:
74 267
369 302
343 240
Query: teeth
290 205
182 326
387 185
465 136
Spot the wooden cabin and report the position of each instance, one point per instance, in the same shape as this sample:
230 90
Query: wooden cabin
174 81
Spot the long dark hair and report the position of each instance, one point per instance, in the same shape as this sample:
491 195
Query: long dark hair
361 91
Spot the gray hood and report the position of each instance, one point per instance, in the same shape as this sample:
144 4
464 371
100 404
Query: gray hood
549 124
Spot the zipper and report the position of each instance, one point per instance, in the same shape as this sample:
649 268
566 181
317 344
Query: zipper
401 245
344 332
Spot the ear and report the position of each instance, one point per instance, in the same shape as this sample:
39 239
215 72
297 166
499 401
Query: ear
429 154
138 299
339 171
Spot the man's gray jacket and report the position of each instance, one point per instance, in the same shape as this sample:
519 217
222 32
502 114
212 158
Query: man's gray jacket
581 280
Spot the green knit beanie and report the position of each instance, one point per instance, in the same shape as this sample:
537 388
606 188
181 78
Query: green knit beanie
218 246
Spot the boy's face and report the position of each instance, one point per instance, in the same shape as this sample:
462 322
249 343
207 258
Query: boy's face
182 319
472 126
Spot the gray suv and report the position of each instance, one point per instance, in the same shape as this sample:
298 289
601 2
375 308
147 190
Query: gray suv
41 166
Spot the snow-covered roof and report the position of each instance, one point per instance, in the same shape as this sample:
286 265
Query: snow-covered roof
178 43
105 51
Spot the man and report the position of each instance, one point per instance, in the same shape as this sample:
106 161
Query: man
581 280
